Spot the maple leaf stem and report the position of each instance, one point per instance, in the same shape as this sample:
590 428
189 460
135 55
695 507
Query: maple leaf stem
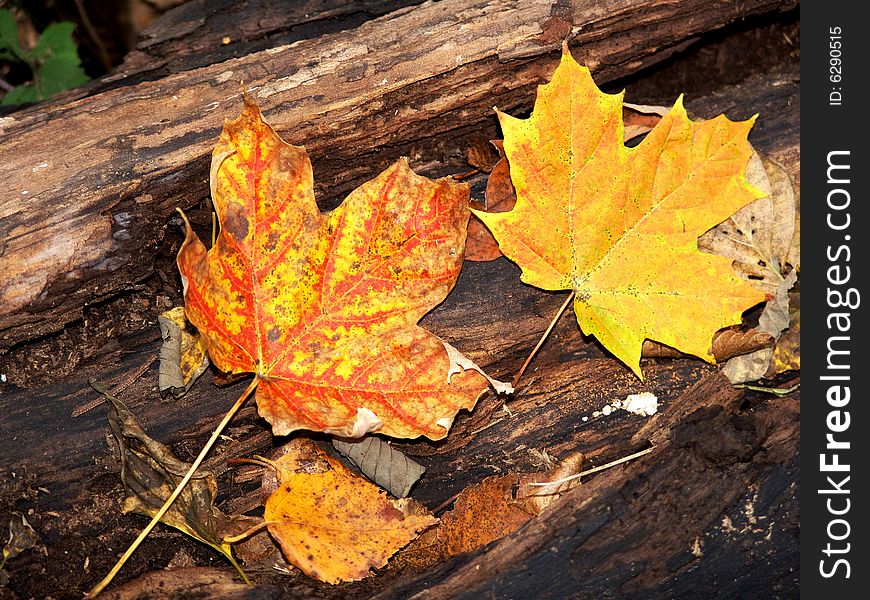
178 489
543 338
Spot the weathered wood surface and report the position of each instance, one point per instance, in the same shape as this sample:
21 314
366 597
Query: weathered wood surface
87 185
712 510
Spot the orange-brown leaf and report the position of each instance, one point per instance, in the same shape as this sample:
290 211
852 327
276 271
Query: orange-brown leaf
323 308
500 197
618 225
330 523
481 514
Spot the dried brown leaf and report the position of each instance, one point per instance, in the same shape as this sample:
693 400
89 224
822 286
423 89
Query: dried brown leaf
481 514
382 463
21 537
774 320
150 473
182 356
727 343
787 353
500 197
640 118
537 498
481 155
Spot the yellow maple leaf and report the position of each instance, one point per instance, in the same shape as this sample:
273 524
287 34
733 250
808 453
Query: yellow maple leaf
619 225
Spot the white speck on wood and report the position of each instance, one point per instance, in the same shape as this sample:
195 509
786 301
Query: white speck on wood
645 404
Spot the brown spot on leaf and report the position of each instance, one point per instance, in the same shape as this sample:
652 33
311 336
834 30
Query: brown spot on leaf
234 221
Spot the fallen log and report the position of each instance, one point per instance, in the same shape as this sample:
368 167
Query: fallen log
90 183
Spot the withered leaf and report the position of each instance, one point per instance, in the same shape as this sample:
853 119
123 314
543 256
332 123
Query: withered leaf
150 472
759 238
727 343
182 356
774 320
481 513
787 353
21 537
640 118
500 196
382 463
537 498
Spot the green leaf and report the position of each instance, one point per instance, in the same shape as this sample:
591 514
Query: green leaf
57 41
23 94
57 74
9 33
55 61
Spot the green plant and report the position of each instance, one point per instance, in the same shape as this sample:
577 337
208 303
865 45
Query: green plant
54 61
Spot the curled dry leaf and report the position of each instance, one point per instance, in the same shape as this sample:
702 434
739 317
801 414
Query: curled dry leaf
537 498
773 320
150 472
619 226
482 154
21 537
500 197
382 463
323 308
726 343
763 239
488 511
182 356
787 353
330 523
641 118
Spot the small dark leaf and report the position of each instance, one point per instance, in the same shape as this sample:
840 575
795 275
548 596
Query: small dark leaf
21 537
150 472
382 463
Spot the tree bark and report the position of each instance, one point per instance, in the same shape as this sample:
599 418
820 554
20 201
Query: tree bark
89 184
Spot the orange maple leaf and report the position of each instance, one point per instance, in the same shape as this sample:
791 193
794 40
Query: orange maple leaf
618 225
322 308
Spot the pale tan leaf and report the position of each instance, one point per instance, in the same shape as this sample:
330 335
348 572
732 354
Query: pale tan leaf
759 237
536 498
